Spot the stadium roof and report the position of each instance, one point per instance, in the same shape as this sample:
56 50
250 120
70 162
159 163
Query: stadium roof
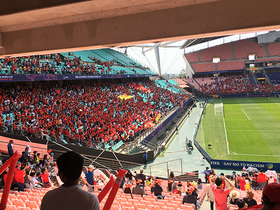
35 27
192 42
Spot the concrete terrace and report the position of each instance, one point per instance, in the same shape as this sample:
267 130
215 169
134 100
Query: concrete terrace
176 149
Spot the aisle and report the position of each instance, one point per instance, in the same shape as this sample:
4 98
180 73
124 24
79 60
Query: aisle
176 148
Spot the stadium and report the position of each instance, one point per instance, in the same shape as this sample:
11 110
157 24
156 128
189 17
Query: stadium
68 85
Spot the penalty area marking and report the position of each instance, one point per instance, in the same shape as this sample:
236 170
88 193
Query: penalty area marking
226 134
245 114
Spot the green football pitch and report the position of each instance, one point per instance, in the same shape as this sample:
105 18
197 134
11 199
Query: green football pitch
249 129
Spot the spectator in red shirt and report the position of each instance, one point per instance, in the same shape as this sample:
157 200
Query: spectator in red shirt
45 178
242 185
220 193
262 179
19 177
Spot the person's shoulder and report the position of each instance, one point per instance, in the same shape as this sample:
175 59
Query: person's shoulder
51 193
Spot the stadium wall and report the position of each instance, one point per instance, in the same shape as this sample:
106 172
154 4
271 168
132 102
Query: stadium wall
238 165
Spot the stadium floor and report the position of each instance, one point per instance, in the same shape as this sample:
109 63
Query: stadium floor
176 149
251 126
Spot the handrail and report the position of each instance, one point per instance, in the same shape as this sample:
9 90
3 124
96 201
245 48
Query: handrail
126 164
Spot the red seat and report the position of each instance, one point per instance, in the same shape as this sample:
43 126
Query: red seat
34 198
12 196
23 208
31 204
18 202
22 197
10 207
24 193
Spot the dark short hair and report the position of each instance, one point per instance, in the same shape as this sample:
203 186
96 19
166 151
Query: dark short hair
71 165
218 181
240 203
261 170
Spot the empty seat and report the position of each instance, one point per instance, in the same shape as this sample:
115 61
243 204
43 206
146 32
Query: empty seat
18 202
127 208
35 193
127 205
31 204
24 193
172 205
154 208
12 196
34 198
23 208
115 207
139 206
10 207
22 197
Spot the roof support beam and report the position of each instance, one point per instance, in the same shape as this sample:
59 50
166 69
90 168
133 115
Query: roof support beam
156 49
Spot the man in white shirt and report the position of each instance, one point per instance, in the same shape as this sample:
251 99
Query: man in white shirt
70 195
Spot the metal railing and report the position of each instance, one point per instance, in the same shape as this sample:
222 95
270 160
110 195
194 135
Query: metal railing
113 165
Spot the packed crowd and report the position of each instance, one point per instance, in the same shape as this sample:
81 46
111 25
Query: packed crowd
51 64
237 190
57 64
85 114
79 186
260 87
226 85
33 170
236 84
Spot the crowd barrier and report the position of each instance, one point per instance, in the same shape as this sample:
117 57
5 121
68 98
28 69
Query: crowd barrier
238 165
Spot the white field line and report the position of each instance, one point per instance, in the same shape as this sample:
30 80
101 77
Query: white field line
226 134
245 114
256 130
255 155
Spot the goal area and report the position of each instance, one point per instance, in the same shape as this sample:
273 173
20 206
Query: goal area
219 109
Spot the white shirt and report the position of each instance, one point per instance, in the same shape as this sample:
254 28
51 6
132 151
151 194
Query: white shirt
70 198
97 172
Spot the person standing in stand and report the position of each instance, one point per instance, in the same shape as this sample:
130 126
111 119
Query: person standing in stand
220 193
70 195
210 196
262 179
10 148
145 155
89 178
